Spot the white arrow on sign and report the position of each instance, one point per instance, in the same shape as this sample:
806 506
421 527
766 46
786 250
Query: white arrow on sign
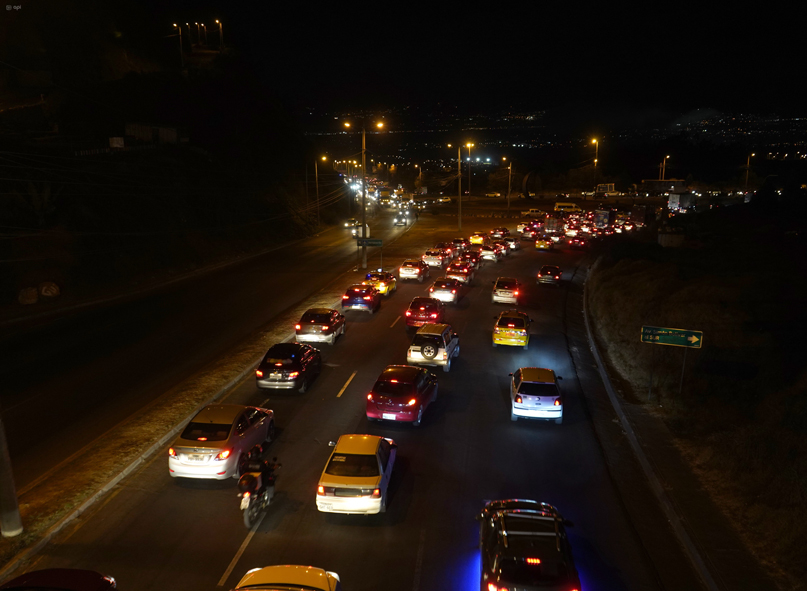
693 339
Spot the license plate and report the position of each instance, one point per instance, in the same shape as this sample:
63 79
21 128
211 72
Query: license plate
388 416
274 375
244 503
326 506
196 458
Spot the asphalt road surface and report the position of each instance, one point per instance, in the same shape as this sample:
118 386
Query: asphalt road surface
155 532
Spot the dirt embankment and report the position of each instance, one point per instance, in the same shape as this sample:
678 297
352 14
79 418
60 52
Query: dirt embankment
741 414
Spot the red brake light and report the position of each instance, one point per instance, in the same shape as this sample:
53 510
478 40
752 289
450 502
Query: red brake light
412 402
409 312
518 398
344 297
172 452
223 455
511 326
258 373
366 298
297 327
394 381
321 490
515 293
558 402
377 493
431 289
294 374
246 495
433 315
370 396
533 561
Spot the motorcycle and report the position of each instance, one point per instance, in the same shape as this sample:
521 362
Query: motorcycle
257 490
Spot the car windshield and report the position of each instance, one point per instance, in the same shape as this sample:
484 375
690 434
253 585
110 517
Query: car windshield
410 264
393 388
509 284
510 322
206 432
356 465
421 302
311 318
356 291
375 277
443 285
282 354
537 389
550 270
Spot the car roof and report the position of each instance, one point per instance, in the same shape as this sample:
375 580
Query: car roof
506 279
285 349
404 373
512 314
308 576
411 262
219 413
359 287
550 267
433 329
539 375
357 444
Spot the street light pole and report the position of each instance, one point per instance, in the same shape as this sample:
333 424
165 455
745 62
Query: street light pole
459 186
664 167
316 182
747 168
596 151
469 145
204 30
509 177
221 36
181 54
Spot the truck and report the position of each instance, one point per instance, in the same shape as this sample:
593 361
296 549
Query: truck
604 218
638 215
607 190
553 225
680 201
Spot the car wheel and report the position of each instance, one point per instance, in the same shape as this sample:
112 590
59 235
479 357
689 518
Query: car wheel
420 279
270 433
371 311
303 386
242 465
513 417
383 508
495 345
447 366
417 421
429 351
559 421
526 346
333 339
344 326
456 351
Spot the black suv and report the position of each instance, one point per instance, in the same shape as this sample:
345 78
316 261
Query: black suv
524 547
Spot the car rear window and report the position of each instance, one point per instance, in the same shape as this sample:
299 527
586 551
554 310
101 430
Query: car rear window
423 339
356 465
316 318
532 571
537 389
206 432
409 264
510 322
506 284
393 388
552 270
443 285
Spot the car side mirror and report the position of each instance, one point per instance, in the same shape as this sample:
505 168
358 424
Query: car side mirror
559 377
480 517
509 374
331 444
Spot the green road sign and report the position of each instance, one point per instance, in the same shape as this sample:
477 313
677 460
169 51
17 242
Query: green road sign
368 241
676 337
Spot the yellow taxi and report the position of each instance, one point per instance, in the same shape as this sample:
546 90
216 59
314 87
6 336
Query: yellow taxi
290 576
384 282
512 328
544 242
480 238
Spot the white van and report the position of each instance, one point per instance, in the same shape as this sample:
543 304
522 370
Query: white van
567 207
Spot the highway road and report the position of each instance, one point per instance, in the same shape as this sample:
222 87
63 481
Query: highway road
155 532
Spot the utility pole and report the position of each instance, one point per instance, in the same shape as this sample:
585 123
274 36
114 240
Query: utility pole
10 520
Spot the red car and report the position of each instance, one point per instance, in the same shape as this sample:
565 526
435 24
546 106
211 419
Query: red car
425 311
402 393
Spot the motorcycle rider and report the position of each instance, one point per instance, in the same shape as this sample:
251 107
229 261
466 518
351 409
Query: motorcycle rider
248 482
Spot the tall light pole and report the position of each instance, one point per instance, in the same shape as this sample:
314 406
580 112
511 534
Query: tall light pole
316 182
747 168
364 190
204 30
221 36
469 145
596 151
198 34
509 176
663 167
181 55
459 187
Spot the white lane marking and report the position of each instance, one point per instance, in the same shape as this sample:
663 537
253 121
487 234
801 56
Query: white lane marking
396 320
238 554
419 561
263 404
347 383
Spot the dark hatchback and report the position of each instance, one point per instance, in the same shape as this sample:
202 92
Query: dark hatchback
425 311
402 393
289 366
524 546
361 297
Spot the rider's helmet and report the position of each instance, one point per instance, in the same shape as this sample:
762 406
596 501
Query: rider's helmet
255 453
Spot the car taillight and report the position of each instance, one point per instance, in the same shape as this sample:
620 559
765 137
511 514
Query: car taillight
258 373
370 396
294 374
433 315
515 293
323 328
382 285
297 327
557 276
377 493
408 312
412 402
344 297
518 398
321 490
172 452
453 291
431 289
539 275
222 455
558 402
366 298
532 560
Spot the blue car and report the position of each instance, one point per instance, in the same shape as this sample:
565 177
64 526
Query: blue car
361 297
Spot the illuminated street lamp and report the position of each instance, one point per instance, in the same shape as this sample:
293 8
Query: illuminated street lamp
747 168
204 30
364 190
221 36
198 34
181 55
663 167
596 151
469 145
459 187
509 177
316 183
